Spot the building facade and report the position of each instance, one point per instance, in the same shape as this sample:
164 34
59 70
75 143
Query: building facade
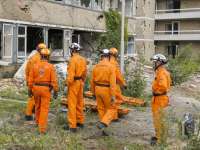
57 23
177 23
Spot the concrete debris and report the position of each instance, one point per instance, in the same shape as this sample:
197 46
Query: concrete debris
61 69
2 63
192 86
21 72
14 83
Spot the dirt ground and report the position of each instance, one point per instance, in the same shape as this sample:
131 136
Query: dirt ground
137 126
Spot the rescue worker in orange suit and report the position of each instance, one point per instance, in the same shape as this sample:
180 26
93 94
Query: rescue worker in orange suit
31 61
103 86
160 87
42 78
77 72
119 79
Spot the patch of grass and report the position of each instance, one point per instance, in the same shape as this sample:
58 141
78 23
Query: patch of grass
112 144
21 94
8 107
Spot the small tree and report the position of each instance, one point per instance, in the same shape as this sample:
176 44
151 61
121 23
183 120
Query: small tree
136 84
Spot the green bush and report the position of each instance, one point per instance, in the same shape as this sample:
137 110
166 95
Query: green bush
182 66
134 80
112 36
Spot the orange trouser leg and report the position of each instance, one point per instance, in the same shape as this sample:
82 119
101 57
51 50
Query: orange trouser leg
42 98
79 106
106 110
118 100
75 105
30 105
157 103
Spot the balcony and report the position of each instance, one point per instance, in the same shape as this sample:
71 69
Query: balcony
172 14
181 35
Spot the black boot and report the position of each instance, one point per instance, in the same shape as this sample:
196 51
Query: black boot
153 143
69 129
116 120
102 125
154 139
80 125
106 133
43 133
28 118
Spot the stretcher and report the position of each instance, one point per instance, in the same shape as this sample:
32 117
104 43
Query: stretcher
93 107
126 100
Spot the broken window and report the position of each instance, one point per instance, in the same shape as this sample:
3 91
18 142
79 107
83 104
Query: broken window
35 36
98 5
130 7
7 42
86 3
55 39
22 41
130 45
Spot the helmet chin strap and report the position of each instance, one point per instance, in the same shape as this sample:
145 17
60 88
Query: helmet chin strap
158 65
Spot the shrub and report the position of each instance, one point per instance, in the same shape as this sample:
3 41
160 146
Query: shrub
182 66
134 80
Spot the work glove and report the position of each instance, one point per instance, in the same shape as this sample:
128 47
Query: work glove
154 93
30 93
55 94
112 100
94 97
66 89
125 87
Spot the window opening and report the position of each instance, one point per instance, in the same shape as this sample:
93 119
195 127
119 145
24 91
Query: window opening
22 41
35 36
86 3
130 45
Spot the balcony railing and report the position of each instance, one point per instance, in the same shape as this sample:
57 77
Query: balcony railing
177 35
178 32
177 10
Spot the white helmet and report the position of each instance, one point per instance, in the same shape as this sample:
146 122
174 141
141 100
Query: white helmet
159 57
75 47
105 52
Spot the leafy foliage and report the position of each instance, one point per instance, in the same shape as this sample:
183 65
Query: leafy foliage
134 80
182 66
112 38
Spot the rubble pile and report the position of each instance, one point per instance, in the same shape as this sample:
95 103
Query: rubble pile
11 82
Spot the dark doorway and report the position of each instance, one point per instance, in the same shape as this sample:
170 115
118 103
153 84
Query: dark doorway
55 39
171 48
34 37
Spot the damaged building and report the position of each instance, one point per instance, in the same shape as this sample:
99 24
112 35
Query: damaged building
57 23
176 25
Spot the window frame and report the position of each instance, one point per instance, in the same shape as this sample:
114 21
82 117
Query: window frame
131 43
22 36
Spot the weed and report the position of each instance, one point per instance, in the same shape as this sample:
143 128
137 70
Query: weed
164 124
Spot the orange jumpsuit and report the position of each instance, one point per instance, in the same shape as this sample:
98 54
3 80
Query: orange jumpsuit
121 81
77 69
104 73
31 61
42 73
161 84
